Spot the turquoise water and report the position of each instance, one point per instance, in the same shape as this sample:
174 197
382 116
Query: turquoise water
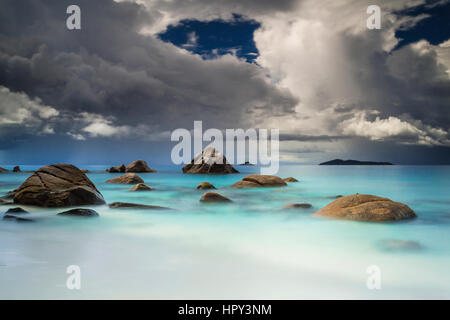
251 248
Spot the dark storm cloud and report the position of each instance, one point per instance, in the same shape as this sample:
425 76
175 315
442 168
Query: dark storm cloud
108 68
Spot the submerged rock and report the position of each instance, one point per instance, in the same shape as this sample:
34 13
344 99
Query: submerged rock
14 218
17 169
129 178
205 186
399 245
209 160
213 197
118 169
298 206
79 212
290 179
365 207
16 210
117 205
138 166
140 187
258 181
58 185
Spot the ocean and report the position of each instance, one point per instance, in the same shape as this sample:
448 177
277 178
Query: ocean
252 248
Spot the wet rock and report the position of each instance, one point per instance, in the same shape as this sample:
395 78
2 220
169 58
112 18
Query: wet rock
117 205
140 187
58 185
364 207
399 245
16 169
14 218
208 161
16 210
118 169
290 179
298 206
138 166
129 178
79 212
205 186
258 181
213 197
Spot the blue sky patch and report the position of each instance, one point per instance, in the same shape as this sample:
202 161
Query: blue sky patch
215 38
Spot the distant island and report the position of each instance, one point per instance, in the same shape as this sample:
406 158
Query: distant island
340 162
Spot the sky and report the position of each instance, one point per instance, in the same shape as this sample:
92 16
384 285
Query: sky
114 91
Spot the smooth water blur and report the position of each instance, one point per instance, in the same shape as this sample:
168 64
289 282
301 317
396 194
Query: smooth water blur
251 248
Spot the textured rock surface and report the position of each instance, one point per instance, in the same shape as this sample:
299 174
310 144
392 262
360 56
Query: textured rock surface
258 181
116 205
213 197
79 212
58 185
129 178
140 187
209 161
205 186
138 166
290 179
364 207
298 206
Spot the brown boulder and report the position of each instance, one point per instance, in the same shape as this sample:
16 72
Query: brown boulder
129 178
138 166
258 181
209 161
58 185
205 185
290 179
16 169
118 169
140 187
365 207
213 197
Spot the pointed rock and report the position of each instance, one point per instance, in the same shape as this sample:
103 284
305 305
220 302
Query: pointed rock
138 166
213 197
140 187
209 161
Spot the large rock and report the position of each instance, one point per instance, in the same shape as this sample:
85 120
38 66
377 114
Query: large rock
58 185
213 197
118 169
258 181
129 178
79 212
365 207
138 166
17 169
209 161
140 187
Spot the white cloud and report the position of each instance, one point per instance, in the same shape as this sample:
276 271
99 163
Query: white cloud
18 109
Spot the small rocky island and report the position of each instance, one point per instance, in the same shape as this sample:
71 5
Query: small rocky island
340 162
209 161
